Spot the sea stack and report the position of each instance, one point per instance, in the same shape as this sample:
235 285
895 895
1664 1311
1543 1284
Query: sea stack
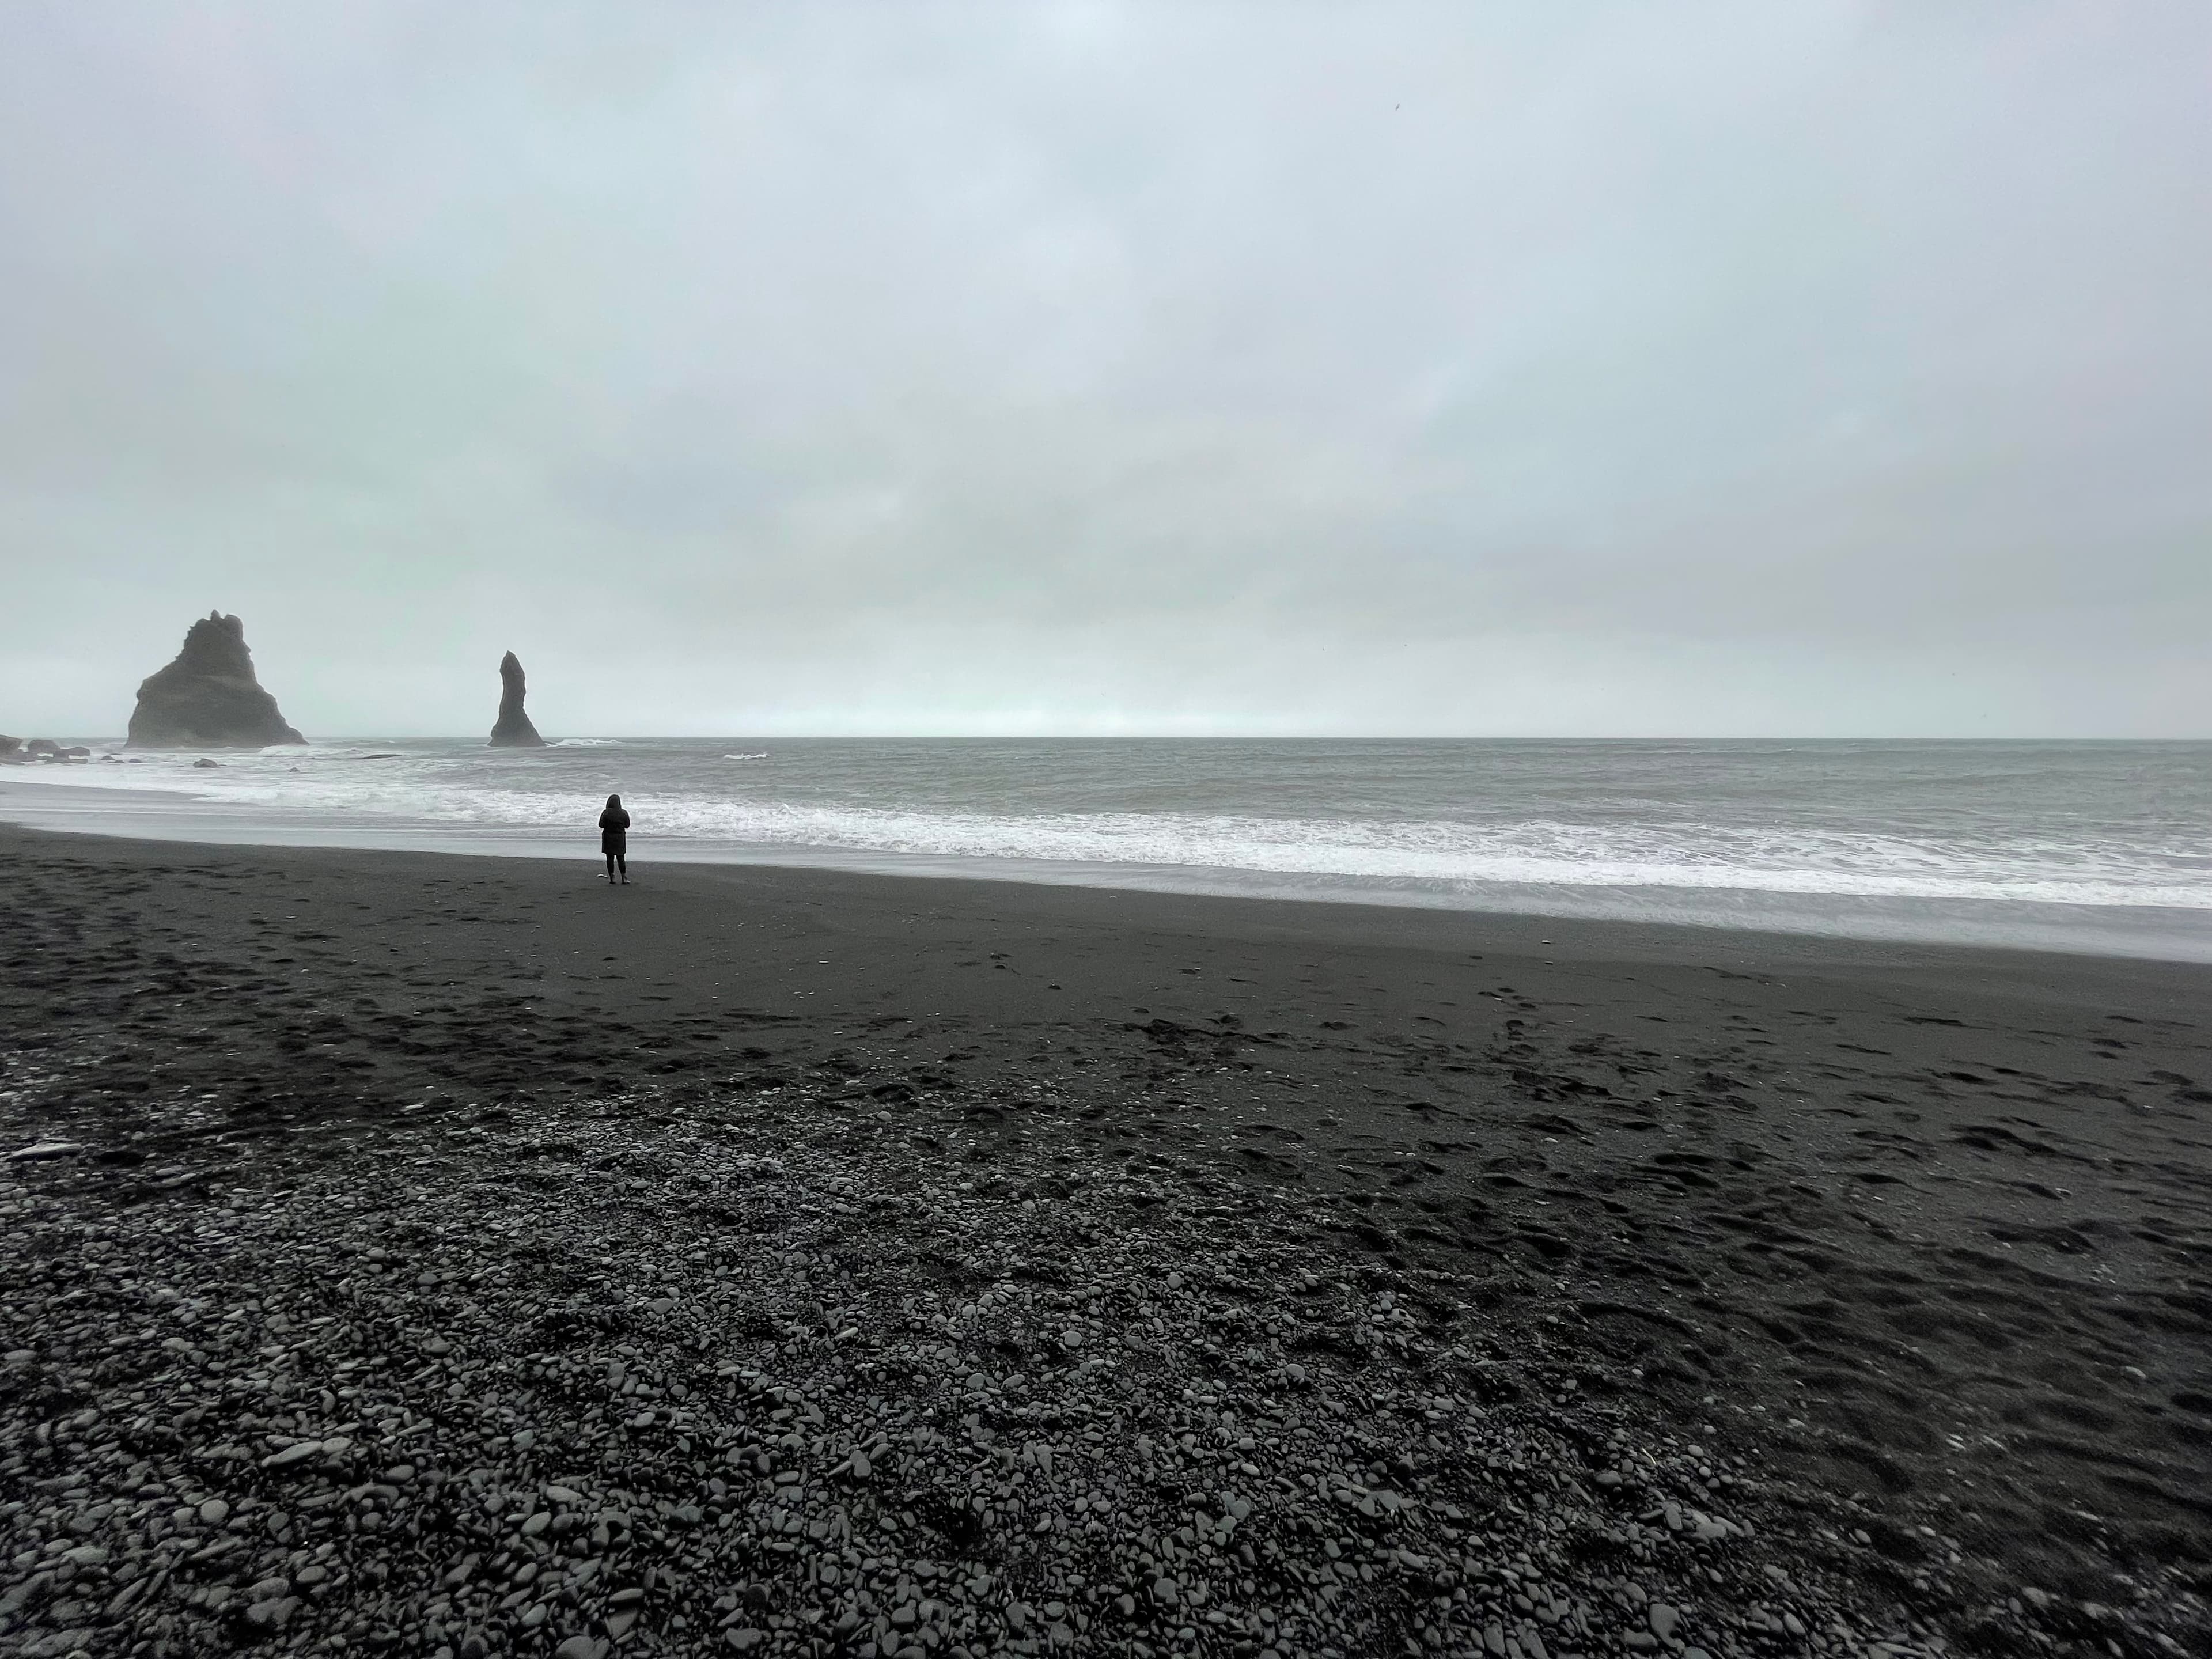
209 698
513 730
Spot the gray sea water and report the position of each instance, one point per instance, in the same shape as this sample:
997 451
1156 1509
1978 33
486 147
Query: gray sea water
2103 847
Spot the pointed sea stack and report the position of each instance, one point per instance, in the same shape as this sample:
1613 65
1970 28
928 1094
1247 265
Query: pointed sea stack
513 730
208 697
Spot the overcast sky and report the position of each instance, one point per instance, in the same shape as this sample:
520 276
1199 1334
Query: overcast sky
1610 369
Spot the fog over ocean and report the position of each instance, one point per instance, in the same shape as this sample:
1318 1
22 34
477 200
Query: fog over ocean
2100 847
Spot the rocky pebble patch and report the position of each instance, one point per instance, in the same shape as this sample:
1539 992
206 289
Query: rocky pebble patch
782 1379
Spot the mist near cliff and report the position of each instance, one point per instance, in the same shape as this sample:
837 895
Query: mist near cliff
1729 369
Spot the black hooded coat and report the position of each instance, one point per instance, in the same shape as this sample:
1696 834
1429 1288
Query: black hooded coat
614 827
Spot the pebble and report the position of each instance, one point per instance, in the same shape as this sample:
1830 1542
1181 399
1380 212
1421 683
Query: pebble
861 1398
39 1151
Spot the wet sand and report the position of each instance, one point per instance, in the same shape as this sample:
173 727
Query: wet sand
1925 1230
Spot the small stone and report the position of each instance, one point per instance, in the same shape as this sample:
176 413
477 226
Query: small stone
86 1555
1664 1618
618 1624
272 1615
214 1513
39 1151
577 1647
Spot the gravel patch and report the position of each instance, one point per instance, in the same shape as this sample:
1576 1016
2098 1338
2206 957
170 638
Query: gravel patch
801 1378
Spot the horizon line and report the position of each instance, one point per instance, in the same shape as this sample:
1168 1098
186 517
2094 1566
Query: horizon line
328 738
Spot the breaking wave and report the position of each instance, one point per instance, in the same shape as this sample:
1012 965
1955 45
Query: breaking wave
1635 843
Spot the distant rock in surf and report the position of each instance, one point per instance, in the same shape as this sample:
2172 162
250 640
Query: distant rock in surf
14 751
513 730
208 697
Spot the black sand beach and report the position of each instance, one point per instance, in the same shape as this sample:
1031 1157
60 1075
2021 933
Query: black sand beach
1671 1290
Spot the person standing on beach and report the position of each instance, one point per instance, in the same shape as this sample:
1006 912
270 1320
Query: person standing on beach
614 839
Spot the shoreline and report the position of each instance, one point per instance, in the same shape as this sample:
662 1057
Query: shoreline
2141 932
1917 1232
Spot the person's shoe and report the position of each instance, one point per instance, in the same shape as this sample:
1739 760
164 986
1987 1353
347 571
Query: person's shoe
625 881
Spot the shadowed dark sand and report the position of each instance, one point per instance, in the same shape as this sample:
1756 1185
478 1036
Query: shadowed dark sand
1932 1225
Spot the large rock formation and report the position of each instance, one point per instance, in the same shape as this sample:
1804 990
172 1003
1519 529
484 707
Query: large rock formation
513 730
209 698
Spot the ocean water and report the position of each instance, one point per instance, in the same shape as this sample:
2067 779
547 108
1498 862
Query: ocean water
2103 847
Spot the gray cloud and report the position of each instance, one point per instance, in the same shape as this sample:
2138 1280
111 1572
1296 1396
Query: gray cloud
1820 369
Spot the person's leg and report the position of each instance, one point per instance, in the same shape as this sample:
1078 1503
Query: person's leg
622 858
610 868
